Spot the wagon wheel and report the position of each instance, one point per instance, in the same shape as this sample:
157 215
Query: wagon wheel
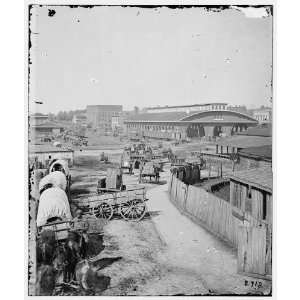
133 210
103 210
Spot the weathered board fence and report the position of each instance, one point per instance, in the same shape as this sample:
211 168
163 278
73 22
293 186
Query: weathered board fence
249 236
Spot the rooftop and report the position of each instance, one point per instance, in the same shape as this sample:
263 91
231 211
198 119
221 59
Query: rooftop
261 178
46 149
243 141
262 152
257 131
105 107
166 116
80 117
223 116
192 105
38 116
48 125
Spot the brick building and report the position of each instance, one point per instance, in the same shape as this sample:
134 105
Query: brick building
101 117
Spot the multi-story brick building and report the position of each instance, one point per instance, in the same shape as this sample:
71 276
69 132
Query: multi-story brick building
101 117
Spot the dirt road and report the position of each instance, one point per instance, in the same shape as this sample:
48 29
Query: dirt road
165 253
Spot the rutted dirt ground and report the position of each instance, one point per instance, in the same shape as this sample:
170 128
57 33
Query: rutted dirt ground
164 254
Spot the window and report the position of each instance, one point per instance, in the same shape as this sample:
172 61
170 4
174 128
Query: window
264 208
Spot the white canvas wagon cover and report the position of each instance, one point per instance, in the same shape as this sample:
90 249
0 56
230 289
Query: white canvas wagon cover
53 203
56 178
62 163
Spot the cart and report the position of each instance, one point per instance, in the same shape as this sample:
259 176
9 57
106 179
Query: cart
150 169
130 204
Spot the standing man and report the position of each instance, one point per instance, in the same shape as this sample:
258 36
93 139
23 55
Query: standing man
141 166
81 226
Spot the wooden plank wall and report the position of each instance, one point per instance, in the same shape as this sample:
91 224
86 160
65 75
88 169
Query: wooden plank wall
207 208
252 250
246 233
216 213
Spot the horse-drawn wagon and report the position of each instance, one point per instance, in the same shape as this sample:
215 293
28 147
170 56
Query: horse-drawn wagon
150 169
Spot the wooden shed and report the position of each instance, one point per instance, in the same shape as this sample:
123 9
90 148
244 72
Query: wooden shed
252 202
251 193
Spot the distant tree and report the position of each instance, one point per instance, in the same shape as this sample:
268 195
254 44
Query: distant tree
51 117
136 110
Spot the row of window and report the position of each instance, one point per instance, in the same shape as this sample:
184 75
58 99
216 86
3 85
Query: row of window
151 127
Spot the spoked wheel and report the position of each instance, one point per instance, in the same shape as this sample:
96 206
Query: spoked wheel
133 210
103 210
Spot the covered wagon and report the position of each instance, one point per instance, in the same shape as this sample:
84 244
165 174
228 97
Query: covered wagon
54 212
62 165
53 179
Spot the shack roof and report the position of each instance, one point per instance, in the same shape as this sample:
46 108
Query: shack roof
262 152
47 149
261 178
48 125
245 141
257 131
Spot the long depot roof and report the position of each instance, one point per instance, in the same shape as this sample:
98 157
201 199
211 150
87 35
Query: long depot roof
216 116
261 178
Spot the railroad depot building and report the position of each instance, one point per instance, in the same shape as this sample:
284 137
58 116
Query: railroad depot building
188 121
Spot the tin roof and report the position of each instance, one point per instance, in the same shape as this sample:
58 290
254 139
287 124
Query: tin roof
261 178
47 149
216 116
165 116
257 131
262 152
47 125
245 141
183 106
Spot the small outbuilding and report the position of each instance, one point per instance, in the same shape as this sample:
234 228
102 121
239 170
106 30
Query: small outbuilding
43 155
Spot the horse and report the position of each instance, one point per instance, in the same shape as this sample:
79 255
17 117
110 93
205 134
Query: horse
45 280
196 174
46 247
181 173
75 249
188 175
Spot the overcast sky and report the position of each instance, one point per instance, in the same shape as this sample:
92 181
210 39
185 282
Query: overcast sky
146 57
